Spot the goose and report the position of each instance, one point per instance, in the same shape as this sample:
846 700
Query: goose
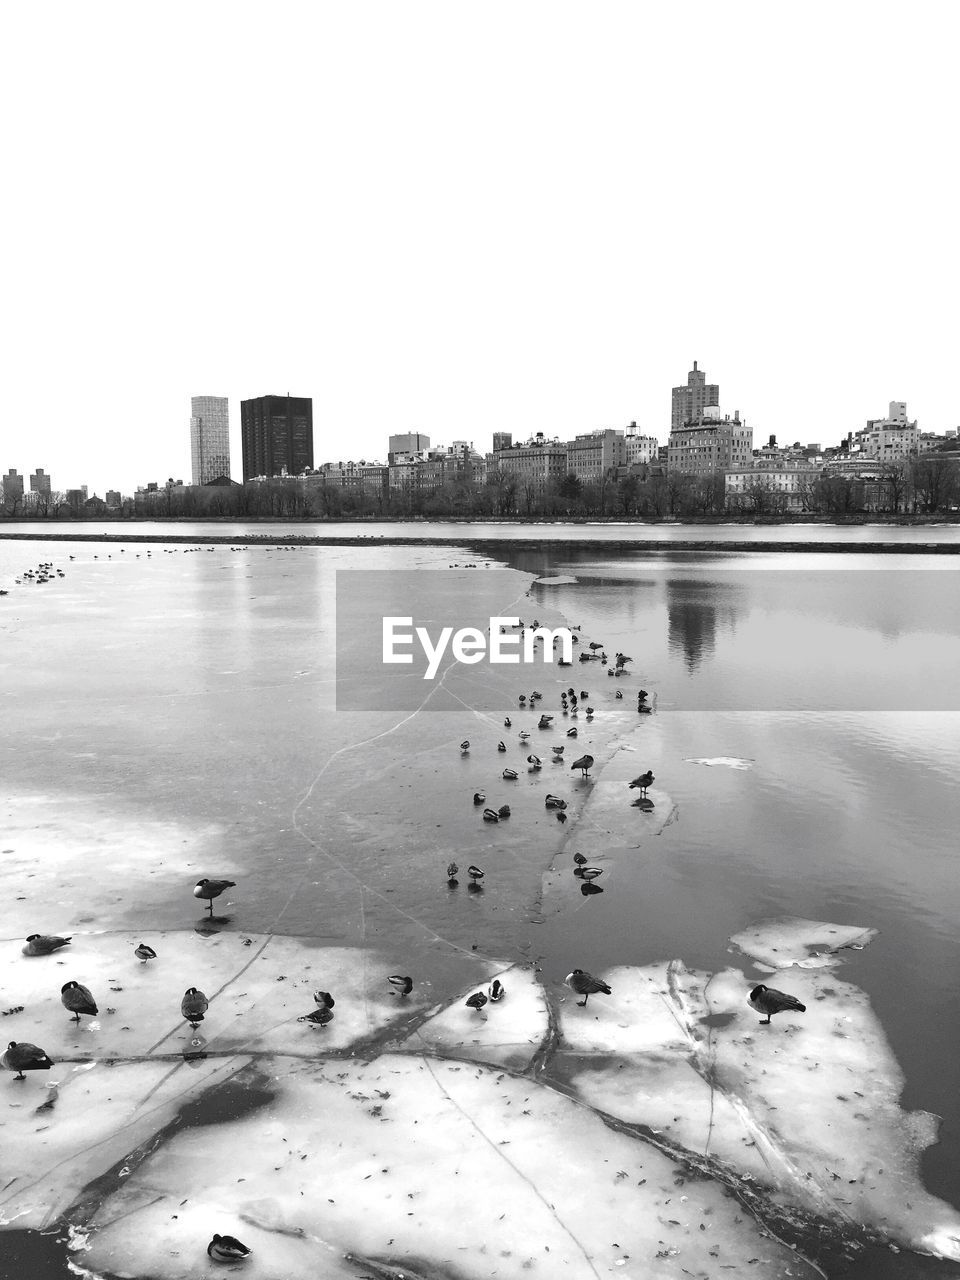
479 797
594 644
211 889
476 1001
475 873
584 764
497 991
491 815
44 944
402 985
77 999
503 812
452 870
535 763
585 985
643 781
509 775
323 999
766 1000
318 1017
144 953
24 1057
193 1006
227 1249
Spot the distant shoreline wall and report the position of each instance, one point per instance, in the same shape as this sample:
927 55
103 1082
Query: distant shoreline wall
491 545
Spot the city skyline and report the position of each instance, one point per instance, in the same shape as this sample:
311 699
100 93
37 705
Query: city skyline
549 256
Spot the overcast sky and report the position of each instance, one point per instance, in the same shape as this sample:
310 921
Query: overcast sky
461 218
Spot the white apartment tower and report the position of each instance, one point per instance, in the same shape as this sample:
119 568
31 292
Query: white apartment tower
209 438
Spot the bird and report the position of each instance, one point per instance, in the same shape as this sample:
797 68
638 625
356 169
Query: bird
476 1001
766 1000
619 693
76 999
507 723
643 781
24 1057
558 751
589 873
475 873
501 745
503 812
144 953
491 815
524 736
227 1249
561 816
535 763
585 985
211 889
584 764
465 745
572 733
544 722
594 644
319 1017
402 985
193 1006
497 991
554 802
44 944
641 695
479 797
579 859
452 870
584 695
509 775
324 999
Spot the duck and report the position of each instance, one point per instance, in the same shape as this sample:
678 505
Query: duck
491 815
584 984
545 721
452 870
318 1017
24 1057
589 873
619 693
77 999
476 1001
227 1249
497 991
561 816
193 1006
210 889
503 812
584 764
643 781
501 745
642 695
44 944
767 1000
553 802
535 763
572 733
524 736
401 984
580 860
595 644
507 723
479 797
509 775
323 999
558 751
144 953
475 873
465 746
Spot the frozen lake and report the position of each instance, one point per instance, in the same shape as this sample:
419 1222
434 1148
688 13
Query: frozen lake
174 715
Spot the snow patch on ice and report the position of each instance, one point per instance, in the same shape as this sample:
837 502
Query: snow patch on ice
729 762
807 944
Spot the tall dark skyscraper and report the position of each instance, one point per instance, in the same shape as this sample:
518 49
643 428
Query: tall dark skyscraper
690 401
277 435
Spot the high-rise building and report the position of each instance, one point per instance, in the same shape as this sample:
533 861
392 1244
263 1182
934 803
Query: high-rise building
409 442
12 486
690 401
502 440
209 438
40 482
277 435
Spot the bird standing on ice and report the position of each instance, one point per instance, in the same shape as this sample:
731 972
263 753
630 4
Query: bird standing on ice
193 1006
766 1000
643 781
584 984
24 1057
211 889
76 999
584 764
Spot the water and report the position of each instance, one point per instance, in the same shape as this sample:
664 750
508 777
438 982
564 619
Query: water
182 706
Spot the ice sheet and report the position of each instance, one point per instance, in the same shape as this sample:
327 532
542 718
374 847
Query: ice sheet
445 1167
729 762
809 944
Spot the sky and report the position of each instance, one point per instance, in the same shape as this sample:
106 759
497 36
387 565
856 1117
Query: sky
459 219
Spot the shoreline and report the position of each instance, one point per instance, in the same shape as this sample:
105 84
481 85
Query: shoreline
525 542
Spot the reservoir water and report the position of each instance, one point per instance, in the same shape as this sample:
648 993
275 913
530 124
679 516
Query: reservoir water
172 715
